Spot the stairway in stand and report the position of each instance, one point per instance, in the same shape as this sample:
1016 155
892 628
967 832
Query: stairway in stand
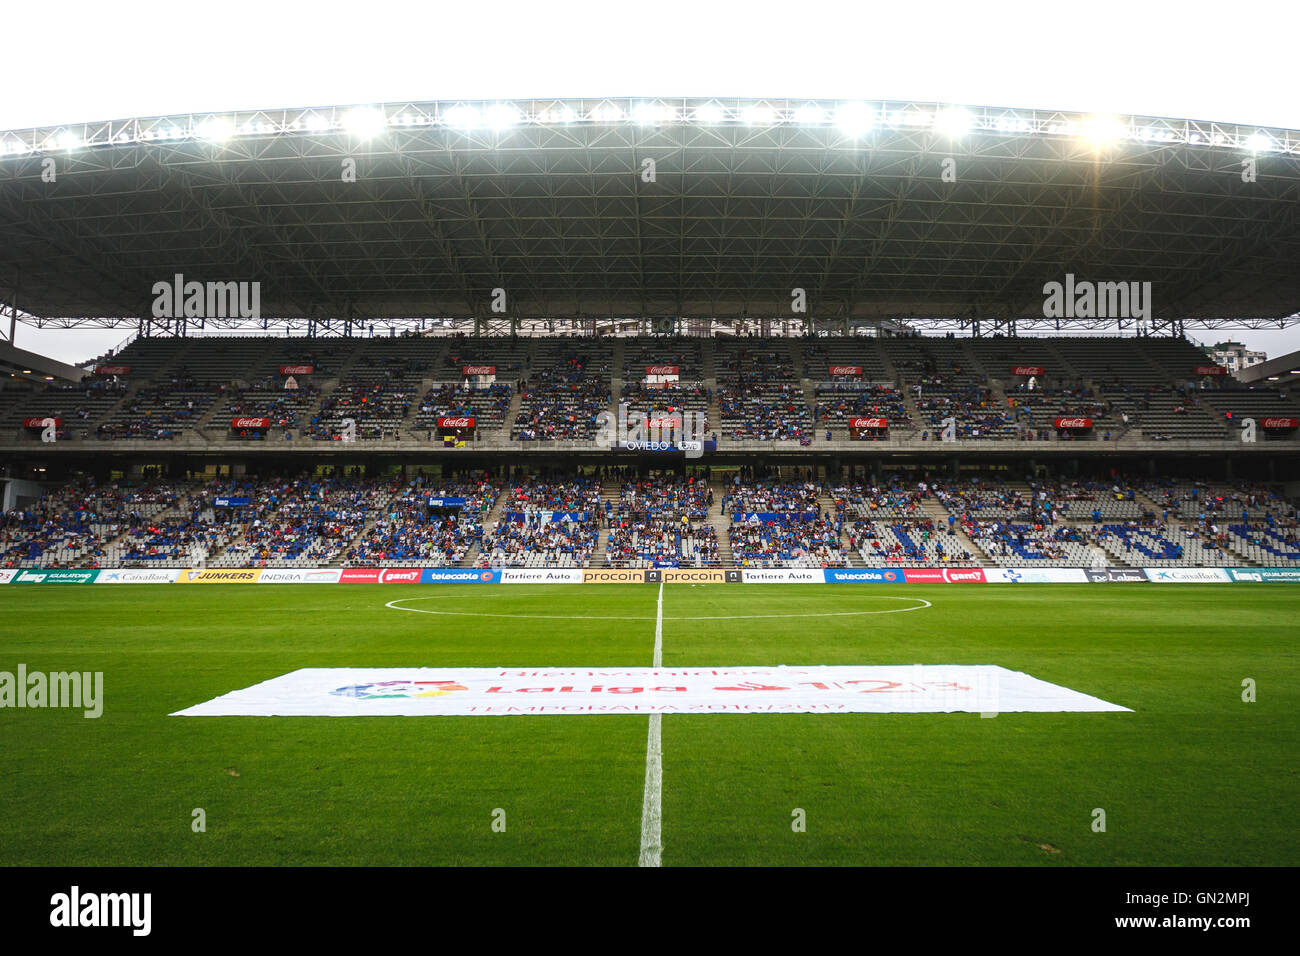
934 509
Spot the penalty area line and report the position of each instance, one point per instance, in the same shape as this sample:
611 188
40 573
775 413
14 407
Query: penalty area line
652 801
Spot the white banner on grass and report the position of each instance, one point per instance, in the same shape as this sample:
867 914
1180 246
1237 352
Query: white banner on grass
7 576
138 576
1183 575
784 576
501 691
299 576
541 576
1035 575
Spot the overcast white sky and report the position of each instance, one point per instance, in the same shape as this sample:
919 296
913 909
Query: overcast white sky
82 61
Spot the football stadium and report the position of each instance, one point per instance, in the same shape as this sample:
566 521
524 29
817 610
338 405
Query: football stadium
795 482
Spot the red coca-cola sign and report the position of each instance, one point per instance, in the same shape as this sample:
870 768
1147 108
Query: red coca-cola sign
661 370
846 369
297 369
479 370
1280 423
250 423
455 423
112 369
40 422
1034 370
1210 370
868 423
1074 423
668 422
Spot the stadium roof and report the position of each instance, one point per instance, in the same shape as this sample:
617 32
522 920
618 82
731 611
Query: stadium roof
647 208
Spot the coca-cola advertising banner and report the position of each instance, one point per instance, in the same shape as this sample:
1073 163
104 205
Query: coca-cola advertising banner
479 370
868 423
661 370
250 423
1074 423
112 369
297 369
667 422
40 422
846 369
455 423
1280 423
1034 370
1210 370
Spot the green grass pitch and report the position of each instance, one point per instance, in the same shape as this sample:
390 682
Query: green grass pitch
1195 776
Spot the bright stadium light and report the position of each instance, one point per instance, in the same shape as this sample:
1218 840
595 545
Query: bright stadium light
315 122
955 122
608 113
364 122
69 140
810 114
218 129
503 116
1260 143
1102 130
757 115
649 114
463 117
709 113
854 119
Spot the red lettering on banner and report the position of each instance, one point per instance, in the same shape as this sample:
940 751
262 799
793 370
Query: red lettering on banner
250 423
455 423
40 422
1280 422
868 423
1034 370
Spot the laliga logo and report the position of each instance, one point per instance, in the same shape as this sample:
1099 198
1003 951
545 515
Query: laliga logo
402 689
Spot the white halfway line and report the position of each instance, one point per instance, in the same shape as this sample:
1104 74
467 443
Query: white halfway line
652 803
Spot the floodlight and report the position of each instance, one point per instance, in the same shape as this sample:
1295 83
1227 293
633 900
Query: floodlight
854 119
503 116
217 128
364 122
463 116
956 122
757 115
1259 143
69 140
1102 130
